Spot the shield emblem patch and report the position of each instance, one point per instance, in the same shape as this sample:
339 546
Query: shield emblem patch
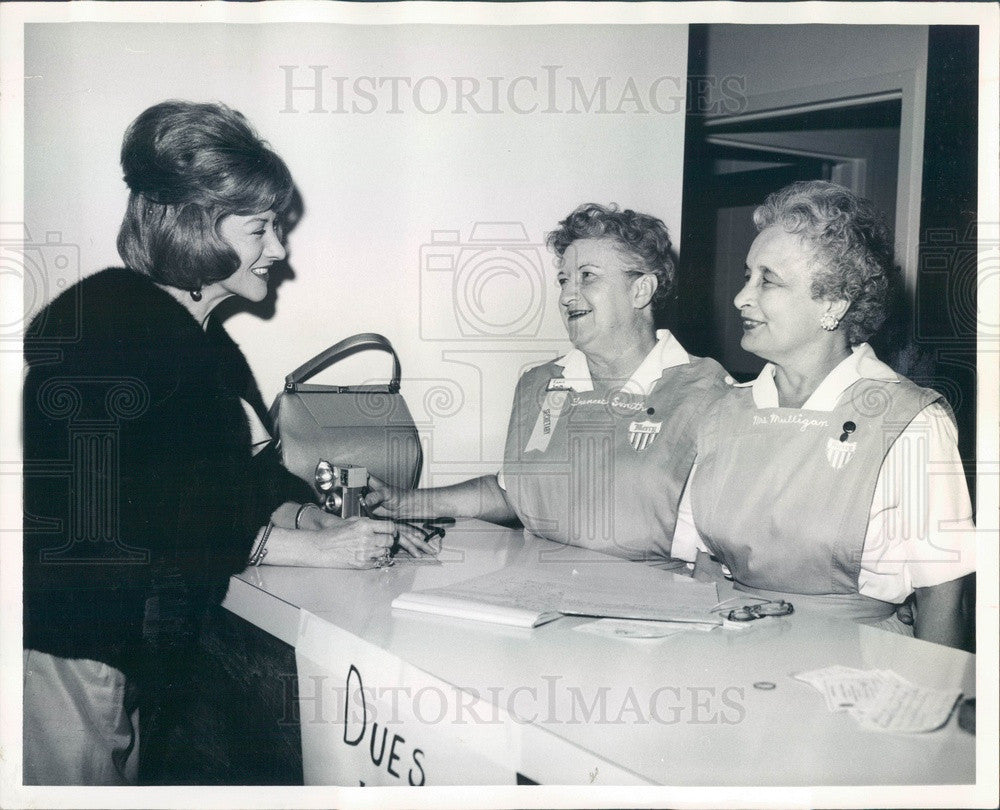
839 453
641 434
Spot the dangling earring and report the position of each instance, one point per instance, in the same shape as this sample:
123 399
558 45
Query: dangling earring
195 295
829 322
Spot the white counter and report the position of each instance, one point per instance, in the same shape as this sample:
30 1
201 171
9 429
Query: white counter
473 703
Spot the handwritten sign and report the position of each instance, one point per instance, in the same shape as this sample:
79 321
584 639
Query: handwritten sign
368 718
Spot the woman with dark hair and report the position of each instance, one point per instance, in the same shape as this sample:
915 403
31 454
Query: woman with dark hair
601 441
830 481
171 484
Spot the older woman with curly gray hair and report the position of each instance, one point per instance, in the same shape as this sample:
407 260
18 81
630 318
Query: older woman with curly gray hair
813 482
601 441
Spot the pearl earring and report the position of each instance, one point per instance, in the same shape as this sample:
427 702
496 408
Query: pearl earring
829 322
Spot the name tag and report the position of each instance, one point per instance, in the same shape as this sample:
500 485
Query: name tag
796 420
545 424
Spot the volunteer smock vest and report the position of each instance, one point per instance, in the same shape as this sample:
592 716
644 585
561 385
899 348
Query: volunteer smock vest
606 472
782 495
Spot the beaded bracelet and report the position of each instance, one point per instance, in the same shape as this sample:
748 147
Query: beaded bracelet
260 550
302 510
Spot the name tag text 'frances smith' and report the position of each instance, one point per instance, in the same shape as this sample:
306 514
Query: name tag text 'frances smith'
803 422
615 401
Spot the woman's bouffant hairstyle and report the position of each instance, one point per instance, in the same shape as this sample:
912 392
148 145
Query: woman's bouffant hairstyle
187 166
853 245
643 239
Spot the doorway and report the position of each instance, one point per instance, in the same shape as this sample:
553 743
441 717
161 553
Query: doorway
733 164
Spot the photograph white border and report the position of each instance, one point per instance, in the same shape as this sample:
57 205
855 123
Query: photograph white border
13 16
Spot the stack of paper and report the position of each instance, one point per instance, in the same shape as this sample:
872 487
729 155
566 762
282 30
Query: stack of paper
881 700
440 604
529 596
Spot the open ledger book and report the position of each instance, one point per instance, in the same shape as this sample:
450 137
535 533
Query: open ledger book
530 596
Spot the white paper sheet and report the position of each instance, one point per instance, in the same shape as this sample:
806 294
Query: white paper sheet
440 605
617 590
881 700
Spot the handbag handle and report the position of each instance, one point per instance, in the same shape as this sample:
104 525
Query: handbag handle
364 340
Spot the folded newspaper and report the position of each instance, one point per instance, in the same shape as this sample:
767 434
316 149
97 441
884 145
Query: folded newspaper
531 596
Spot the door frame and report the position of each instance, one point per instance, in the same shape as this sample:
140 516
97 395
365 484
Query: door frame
850 172
909 87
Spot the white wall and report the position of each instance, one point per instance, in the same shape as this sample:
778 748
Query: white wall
777 58
377 184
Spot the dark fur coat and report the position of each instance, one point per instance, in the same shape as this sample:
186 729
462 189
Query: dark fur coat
141 495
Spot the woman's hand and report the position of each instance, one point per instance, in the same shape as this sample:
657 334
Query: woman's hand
383 500
416 542
476 498
409 538
355 542
327 541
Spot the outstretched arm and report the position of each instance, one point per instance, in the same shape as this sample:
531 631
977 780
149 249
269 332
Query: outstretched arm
476 498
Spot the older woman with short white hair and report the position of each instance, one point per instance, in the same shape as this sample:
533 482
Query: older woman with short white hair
830 481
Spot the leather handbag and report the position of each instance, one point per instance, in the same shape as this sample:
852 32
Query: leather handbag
361 425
